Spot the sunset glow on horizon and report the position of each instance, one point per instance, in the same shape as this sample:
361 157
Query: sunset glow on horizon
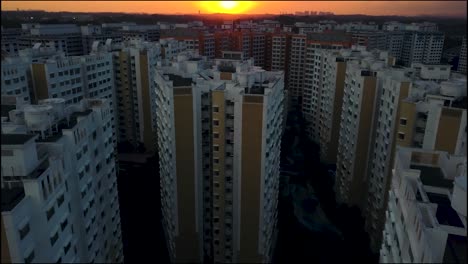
403 8
227 7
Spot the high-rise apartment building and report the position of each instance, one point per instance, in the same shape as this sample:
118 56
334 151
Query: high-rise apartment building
278 47
422 47
408 46
74 78
219 141
412 112
134 69
426 215
16 79
10 40
311 84
150 33
462 58
296 66
199 40
357 117
59 187
331 94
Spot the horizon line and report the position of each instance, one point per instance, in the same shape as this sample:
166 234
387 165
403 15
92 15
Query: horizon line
246 14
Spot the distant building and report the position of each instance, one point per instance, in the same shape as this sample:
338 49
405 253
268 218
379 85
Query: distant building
10 40
463 58
16 79
64 37
197 40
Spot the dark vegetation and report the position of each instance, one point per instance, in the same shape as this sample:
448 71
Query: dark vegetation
140 203
296 244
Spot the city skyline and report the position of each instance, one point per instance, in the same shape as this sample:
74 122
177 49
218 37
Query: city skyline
376 8
233 138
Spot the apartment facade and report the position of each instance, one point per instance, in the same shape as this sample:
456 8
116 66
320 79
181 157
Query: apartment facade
332 91
413 112
64 37
422 46
310 89
228 206
357 118
16 79
60 184
9 40
462 58
202 41
74 78
134 66
426 215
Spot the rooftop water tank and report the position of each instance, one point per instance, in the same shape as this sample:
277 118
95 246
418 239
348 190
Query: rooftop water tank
58 105
17 117
38 117
453 89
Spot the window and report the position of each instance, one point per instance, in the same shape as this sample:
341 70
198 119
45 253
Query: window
215 109
29 258
64 224
403 122
24 231
67 247
215 148
216 122
401 136
54 238
60 200
50 213
215 135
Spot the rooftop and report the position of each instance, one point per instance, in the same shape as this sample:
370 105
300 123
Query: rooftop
16 139
433 176
11 197
64 124
179 81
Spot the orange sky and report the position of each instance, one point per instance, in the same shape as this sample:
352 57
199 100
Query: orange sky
405 8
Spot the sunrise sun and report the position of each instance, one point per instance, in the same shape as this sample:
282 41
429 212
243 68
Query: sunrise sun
230 7
228 4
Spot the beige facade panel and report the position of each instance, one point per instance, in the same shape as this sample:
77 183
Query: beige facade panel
447 132
225 76
252 120
40 81
337 105
187 248
148 133
407 111
363 141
